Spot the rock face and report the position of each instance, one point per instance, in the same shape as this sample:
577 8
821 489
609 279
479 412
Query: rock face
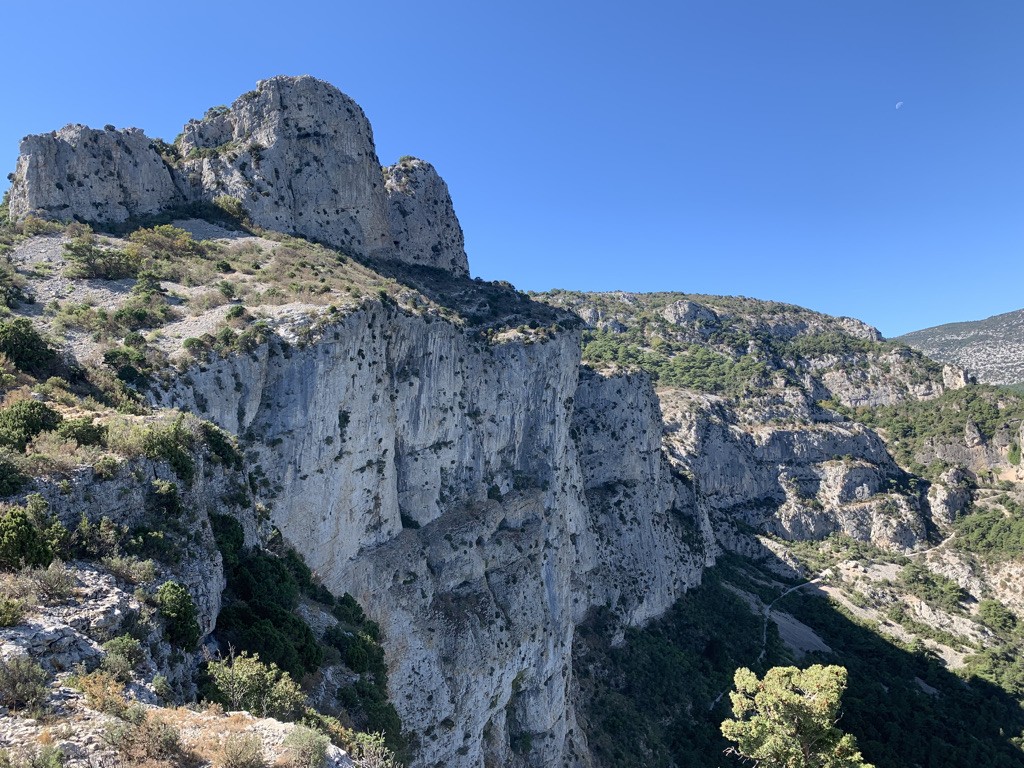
652 539
799 482
296 152
424 229
473 497
82 173
299 154
480 498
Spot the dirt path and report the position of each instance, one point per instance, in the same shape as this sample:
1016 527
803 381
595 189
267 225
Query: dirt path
766 616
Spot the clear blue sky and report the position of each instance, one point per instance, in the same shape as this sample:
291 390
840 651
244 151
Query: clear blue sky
745 147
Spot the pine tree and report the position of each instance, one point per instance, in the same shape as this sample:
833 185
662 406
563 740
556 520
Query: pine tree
787 720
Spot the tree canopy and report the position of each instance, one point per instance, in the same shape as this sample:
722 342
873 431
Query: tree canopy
787 720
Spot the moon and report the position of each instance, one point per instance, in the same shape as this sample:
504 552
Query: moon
899 104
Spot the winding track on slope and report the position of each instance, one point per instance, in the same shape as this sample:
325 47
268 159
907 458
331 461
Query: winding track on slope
766 614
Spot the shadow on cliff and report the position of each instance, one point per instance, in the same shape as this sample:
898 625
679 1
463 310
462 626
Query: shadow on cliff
485 305
650 701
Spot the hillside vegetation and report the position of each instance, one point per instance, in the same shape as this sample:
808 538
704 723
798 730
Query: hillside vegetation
991 349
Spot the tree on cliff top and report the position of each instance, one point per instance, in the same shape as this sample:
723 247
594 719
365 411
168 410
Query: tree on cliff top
787 720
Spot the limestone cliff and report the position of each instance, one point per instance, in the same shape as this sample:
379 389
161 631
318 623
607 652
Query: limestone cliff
299 154
431 444
438 479
296 153
423 225
94 175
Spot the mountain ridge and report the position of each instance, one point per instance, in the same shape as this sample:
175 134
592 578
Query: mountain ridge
480 494
992 349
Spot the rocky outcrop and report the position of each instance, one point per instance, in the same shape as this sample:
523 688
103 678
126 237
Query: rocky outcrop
127 502
421 219
651 538
950 496
803 481
296 153
299 155
91 175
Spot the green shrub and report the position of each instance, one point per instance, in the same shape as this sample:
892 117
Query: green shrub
29 536
117 666
12 285
12 479
106 468
103 692
129 365
173 443
997 617
179 611
370 750
277 635
146 306
166 242
12 611
130 568
358 650
87 260
263 580
241 750
123 655
22 683
23 420
933 588
24 347
244 682
146 737
164 499
221 446
347 610
306 748
44 756
303 576
83 431
94 541
232 206
33 225
230 538
1013 455
256 615
54 583
162 687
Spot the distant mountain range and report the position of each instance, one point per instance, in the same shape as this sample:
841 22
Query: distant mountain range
990 349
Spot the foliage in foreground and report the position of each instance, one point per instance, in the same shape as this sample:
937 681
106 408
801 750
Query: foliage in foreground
243 682
787 719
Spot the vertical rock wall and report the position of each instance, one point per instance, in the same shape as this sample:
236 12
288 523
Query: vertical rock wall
437 478
423 225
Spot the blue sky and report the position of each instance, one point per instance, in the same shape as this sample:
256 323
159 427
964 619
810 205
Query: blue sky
722 146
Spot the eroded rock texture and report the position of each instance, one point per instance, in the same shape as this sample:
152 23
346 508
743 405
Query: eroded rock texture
297 153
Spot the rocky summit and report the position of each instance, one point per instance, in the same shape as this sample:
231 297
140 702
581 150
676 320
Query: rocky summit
296 153
254 405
